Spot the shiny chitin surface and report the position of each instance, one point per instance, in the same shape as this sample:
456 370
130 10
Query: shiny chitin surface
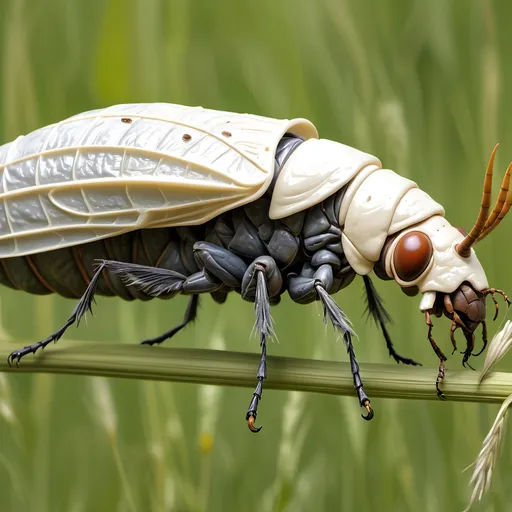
127 167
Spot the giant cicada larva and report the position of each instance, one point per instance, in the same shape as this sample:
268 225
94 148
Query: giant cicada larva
156 200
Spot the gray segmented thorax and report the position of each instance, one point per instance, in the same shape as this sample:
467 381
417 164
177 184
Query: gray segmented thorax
300 244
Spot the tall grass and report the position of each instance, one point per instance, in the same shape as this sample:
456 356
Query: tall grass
423 85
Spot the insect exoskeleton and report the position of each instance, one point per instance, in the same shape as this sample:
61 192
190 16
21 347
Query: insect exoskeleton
155 200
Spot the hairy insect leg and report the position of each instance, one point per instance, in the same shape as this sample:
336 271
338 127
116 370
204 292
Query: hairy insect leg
190 316
375 308
312 285
340 322
221 268
439 354
262 282
83 305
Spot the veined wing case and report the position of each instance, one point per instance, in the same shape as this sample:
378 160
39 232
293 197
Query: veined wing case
126 167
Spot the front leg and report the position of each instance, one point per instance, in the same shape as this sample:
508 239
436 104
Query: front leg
439 354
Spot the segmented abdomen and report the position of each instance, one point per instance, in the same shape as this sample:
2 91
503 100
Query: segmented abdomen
68 271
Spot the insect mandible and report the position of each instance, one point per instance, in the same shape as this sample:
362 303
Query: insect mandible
156 200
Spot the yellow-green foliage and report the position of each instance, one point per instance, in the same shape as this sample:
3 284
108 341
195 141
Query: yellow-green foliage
422 84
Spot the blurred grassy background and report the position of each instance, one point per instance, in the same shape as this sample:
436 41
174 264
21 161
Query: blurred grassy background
424 86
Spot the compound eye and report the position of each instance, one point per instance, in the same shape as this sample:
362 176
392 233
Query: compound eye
412 255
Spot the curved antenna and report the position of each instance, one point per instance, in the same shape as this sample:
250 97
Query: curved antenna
464 248
501 208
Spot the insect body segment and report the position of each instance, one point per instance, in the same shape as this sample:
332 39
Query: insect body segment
144 201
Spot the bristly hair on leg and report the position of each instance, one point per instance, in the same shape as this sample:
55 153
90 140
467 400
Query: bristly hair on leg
342 323
333 312
264 323
153 281
375 310
84 305
374 304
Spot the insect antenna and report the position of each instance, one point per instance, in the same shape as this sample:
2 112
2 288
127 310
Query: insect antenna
501 208
464 248
486 223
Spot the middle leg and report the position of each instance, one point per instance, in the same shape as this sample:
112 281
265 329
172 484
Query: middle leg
312 285
221 271
262 283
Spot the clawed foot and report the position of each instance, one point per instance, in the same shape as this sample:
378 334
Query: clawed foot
29 349
440 378
440 394
250 423
405 360
370 414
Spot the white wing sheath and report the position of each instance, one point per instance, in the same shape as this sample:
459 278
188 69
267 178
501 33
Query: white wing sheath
127 167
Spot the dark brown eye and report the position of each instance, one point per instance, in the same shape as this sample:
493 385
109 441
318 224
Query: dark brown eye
412 255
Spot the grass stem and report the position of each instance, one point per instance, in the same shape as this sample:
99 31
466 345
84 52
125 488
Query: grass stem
219 367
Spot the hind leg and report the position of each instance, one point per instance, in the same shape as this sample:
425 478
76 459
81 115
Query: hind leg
226 271
83 305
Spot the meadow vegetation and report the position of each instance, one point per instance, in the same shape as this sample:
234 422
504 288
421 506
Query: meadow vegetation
422 85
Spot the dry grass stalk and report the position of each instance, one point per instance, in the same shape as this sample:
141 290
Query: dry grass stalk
498 347
491 448
486 460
